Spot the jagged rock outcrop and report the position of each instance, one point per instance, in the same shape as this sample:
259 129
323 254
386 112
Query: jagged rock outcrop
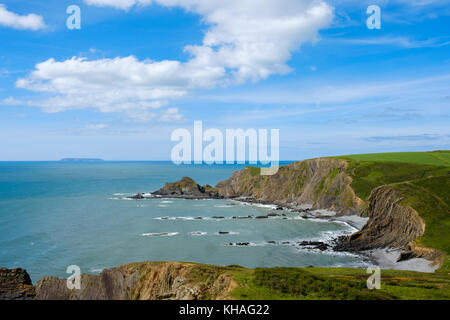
413 250
317 183
15 284
390 224
144 281
187 188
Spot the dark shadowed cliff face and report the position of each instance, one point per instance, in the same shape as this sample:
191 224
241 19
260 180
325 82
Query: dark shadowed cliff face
15 284
144 281
318 183
390 224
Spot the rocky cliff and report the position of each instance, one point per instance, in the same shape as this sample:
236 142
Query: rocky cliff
144 281
15 284
390 224
317 184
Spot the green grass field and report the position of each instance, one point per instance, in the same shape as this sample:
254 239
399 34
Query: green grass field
337 284
435 158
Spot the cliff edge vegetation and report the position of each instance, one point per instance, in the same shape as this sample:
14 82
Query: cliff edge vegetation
192 281
408 198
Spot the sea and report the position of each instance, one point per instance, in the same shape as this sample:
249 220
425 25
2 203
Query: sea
58 214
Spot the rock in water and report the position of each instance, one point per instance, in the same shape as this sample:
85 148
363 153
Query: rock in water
139 196
15 284
187 188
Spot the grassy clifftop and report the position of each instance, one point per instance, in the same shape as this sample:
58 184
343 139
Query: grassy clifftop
435 158
337 283
421 180
178 280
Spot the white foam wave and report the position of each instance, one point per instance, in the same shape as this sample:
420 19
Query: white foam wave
162 234
197 233
258 205
183 218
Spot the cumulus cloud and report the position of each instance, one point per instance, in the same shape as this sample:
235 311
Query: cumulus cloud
245 41
13 20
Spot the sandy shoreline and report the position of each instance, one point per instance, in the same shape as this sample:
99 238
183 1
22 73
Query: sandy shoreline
356 222
387 259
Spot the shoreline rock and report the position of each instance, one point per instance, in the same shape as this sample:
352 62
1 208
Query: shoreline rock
15 284
187 188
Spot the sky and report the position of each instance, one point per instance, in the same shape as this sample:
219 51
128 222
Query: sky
137 70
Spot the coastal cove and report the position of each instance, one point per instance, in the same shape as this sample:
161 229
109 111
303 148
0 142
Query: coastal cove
54 215
319 221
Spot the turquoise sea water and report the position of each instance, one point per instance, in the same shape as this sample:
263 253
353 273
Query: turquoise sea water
53 215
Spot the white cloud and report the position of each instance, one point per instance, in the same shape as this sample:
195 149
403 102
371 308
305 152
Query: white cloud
118 4
245 41
11 101
170 115
13 20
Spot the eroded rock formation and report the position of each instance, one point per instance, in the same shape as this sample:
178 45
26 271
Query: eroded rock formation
390 224
15 284
144 281
317 183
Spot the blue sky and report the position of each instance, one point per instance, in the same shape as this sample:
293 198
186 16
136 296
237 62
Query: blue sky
138 69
